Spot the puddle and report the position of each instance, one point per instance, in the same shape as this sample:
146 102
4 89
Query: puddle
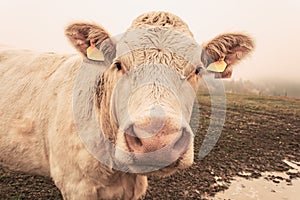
271 186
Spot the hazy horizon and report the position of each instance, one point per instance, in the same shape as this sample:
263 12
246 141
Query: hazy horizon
39 25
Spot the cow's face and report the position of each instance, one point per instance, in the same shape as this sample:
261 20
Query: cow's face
146 95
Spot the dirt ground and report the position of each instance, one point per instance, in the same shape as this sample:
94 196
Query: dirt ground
258 135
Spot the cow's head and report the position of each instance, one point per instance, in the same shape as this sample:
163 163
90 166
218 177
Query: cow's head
144 98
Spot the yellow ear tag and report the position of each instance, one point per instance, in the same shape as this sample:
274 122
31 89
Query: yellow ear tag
94 54
218 66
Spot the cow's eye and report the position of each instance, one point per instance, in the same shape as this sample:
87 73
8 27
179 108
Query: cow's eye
198 70
118 66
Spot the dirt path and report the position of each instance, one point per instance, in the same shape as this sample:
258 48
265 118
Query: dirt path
259 133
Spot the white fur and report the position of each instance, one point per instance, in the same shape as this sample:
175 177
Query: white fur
37 132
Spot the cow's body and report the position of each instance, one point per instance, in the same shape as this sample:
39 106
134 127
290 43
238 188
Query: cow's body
38 133
37 128
27 90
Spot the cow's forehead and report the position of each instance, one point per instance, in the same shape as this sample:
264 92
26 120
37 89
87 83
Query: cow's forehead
161 19
164 40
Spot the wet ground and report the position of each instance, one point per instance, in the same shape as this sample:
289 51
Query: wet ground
271 185
261 138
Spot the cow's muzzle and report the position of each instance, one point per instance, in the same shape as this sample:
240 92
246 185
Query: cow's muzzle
156 144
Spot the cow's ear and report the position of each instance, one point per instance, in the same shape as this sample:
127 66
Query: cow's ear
91 40
221 53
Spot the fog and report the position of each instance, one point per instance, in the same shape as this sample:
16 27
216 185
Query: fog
275 26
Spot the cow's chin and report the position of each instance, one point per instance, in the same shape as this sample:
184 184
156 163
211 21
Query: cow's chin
168 170
183 162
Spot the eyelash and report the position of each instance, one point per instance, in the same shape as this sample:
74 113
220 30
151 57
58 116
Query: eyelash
198 70
118 65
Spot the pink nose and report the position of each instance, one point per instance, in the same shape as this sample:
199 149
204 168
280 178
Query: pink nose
157 133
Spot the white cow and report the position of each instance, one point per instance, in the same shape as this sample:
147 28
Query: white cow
138 103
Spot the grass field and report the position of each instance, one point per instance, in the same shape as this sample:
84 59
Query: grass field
259 133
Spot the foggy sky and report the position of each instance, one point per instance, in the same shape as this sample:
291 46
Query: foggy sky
275 26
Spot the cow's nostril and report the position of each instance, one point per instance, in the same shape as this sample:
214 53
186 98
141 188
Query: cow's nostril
183 141
140 140
132 138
